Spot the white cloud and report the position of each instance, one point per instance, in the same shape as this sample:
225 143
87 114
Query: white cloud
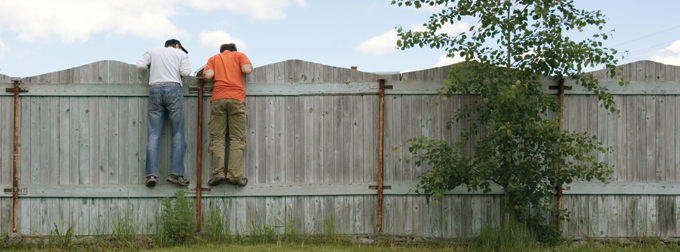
301 3
3 49
449 29
386 43
256 9
444 60
380 45
432 9
213 39
74 20
669 55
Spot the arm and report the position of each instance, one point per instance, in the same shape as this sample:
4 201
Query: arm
247 68
144 62
184 66
208 73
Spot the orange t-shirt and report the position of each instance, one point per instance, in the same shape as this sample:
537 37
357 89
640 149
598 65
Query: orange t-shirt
228 76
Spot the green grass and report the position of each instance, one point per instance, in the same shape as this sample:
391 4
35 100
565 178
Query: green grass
289 247
177 225
321 244
591 247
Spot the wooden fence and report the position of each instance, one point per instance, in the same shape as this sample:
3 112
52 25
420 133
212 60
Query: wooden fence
312 153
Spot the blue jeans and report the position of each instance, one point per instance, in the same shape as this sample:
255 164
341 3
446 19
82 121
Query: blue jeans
162 99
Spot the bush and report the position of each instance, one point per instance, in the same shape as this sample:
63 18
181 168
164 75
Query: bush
177 218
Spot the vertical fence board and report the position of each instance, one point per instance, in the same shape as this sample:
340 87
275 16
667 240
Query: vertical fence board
261 161
668 139
103 139
289 142
113 144
323 139
357 125
339 147
250 168
328 137
309 133
93 140
395 135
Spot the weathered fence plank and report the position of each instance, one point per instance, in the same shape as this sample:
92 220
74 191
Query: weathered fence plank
312 152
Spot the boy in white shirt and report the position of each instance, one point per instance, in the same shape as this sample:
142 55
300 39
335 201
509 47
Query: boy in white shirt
167 65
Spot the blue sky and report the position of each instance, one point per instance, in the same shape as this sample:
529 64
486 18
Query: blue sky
42 36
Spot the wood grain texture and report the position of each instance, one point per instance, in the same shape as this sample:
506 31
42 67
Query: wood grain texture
311 155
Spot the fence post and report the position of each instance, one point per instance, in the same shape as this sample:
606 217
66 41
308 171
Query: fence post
560 121
199 150
380 150
15 171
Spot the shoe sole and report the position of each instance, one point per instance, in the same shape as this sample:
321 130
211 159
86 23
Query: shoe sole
219 181
151 183
176 183
237 182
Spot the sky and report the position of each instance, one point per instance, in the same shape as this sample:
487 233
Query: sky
42 36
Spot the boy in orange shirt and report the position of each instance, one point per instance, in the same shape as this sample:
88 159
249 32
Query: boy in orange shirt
228 111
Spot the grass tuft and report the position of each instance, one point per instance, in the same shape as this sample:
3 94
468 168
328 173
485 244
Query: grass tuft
124 228
177 219
262 234
329 234
58 240
216 229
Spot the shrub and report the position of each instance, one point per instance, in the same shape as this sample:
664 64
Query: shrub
177 218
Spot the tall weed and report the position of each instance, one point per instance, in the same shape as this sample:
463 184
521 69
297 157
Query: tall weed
291 231
329 229
177 219
262 234
58 240
513 237
124 227
216 229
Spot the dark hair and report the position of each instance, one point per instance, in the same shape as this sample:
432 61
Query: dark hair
172 42
228 47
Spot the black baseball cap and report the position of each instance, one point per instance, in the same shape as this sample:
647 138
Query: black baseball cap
174 41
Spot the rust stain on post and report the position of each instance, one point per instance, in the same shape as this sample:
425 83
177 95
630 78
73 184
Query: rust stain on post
15 182
199 151
381 134
380 153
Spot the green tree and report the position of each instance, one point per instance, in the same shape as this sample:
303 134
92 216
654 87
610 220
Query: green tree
522 149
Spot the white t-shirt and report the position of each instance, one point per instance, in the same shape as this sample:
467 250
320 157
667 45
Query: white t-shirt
167 64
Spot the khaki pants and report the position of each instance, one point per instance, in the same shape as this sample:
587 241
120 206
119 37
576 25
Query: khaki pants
228 114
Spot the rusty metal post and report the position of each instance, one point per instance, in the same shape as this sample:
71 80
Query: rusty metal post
560 121
381 134
199 145
15 182
380 153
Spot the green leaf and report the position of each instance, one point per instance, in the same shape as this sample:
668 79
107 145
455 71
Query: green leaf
506 57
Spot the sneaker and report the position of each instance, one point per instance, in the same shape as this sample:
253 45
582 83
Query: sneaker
151 180
240 182
216 181
178 180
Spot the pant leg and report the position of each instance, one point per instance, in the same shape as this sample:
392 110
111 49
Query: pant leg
174 102
238 121
156 116
218 130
